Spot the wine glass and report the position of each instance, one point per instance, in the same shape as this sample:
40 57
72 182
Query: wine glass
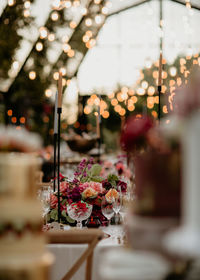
44 196
117 201
107 209
79 211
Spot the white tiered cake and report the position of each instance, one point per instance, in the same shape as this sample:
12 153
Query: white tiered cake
22 243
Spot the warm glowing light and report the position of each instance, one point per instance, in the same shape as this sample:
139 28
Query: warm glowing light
182 61
32 75
171 83
84 11
97 1
90 44
122 112
165 111
114 102
98 19
105 114
68 82
71 53
163 89
56 76
65 39
90 101
43 32
88 22
27 4
111 95
164 75
97 101
63 71
72 24
88 33
22 120
131 108
173 71
45 119
156 99
87 110
39 46
155 74
66 47
68 4
13 119
48 92
9 112
131 92
56 4
26 13
11 2
140 91
134 98
85 38
119 97
151 90
51 37
117 108
104 10
15 65
144 84
179 81
54 16
154 114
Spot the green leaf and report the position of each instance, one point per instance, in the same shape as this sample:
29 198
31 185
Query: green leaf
95 170
69 220
96 179
64 201
54 214
64 214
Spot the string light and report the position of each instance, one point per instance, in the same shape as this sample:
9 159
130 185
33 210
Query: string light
43 32
76 3
22 120
56 4
39 46
98 19
68 4
51 37
13 119
32 75
27 4
48 93
63 71
11 2
55 16
71 53
66 48
9 112
84 11
88 22
173 71
104 10
15 65
73 24
26 13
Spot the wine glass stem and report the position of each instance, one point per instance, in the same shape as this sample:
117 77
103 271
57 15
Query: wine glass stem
79 224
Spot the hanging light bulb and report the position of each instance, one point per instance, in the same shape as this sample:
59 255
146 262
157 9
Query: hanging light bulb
84 11
98 19
68 4
27 4
54 16
88 22
173 71
32 75
11 2
39 46
43 32
51 37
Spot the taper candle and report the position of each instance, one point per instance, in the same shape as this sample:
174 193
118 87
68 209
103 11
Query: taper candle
56 114
160 70
60 90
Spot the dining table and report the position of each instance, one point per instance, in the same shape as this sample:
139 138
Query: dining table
66 254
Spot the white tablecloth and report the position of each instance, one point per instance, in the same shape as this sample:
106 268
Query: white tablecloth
67 254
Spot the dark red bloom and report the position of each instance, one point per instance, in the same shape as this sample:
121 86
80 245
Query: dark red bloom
123 186
106 185
134 132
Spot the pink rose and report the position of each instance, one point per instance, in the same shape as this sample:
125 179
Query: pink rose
54 201
63 187
96 186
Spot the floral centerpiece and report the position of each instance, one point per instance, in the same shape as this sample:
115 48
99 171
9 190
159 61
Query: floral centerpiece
86 188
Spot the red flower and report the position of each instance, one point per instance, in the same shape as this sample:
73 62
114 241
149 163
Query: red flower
54 201
134 132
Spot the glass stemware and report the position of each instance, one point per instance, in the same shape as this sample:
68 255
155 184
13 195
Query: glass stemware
75 212
107 209
44 195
